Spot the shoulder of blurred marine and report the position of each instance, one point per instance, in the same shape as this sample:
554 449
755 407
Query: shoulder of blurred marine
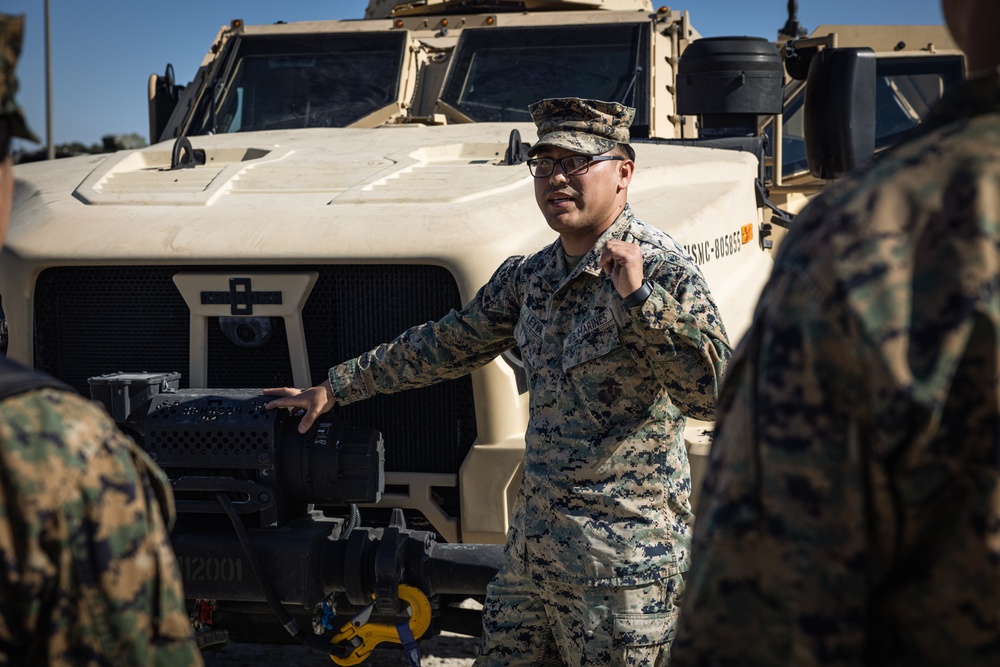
54 423
77 492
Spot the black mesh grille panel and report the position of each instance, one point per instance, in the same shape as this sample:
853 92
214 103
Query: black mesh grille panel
95 320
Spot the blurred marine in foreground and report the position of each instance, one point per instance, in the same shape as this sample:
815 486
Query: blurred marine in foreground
88 575
851 514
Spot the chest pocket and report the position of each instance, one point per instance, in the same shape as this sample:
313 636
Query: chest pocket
581 347
601 370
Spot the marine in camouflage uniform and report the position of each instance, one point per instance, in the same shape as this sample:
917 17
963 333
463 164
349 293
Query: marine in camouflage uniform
601 527
851 512
87 574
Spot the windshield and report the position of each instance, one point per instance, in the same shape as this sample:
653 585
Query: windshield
297 81
905 90
498 72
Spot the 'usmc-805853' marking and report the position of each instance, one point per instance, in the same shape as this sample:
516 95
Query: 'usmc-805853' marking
704 252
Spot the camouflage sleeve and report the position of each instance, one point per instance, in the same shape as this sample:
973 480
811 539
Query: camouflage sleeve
678 334
455 345
88 569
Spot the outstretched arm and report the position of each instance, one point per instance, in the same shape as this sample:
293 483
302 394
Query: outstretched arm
453 346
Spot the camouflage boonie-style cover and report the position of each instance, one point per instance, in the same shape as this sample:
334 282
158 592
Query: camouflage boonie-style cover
604 497
851 513
588 127
89 577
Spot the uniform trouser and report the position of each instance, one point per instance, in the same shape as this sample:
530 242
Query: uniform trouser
530 623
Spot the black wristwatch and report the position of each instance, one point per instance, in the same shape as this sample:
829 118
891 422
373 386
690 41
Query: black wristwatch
638 297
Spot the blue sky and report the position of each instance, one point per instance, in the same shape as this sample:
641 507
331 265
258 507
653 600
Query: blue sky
103 51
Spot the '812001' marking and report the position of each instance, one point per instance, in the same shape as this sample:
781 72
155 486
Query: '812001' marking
704 252
197 568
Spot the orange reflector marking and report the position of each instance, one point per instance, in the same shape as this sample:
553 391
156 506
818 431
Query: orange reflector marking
746 233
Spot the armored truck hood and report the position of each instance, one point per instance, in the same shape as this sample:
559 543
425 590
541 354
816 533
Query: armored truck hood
402 194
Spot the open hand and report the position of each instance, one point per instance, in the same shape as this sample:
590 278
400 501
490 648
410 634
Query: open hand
314 401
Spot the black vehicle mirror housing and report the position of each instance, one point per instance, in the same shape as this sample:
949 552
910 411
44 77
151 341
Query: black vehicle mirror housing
839 111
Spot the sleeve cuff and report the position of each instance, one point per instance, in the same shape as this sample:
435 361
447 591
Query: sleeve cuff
346 384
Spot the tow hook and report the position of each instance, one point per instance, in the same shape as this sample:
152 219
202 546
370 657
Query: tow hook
365 636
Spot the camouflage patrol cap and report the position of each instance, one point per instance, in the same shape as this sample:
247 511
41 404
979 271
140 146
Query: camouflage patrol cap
589 127
11 34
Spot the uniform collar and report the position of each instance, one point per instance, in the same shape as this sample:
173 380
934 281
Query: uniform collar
591 261
554 269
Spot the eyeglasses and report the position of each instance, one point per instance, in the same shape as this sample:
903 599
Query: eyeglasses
572 165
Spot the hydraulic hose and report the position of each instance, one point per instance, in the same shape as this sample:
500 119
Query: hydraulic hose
306 639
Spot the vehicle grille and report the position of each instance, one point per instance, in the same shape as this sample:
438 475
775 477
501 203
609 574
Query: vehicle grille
94 320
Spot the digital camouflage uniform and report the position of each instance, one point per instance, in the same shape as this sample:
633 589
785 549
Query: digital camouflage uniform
87 574
603 508
851 513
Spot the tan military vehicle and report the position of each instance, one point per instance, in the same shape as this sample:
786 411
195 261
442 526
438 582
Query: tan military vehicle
321 186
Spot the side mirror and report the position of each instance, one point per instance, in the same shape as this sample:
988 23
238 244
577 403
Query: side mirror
839 111
162 95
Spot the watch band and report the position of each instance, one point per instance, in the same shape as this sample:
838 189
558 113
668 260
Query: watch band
638 297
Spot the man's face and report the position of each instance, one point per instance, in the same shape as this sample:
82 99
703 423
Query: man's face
581 206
